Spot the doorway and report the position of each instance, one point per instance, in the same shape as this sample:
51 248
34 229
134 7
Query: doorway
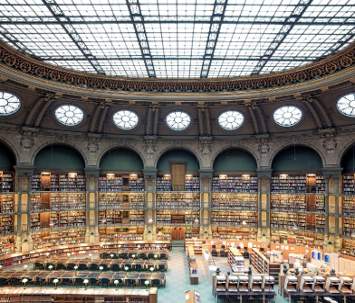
178 234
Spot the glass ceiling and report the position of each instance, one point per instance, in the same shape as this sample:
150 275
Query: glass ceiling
178 38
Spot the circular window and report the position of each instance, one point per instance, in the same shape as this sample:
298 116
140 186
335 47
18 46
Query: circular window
287 116
69 115
178 120
230 120
125 119
9 104
346 105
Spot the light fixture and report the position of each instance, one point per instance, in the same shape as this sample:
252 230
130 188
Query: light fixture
146 282
155 256
55 282
196 220
133 176
311 175
133 256
188 177
246 176
110 176
244 222
150 220
126 268
167 177
1 173
50 266
72 175
116 282
283 176
76 267
25 266
86 282
151 268
45 173
24 281
223 176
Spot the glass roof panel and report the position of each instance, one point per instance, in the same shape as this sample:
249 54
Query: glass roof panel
178 39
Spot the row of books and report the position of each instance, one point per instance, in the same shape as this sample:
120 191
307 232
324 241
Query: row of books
298 184
110 217
298 202
191 185
6 182
120 184
65 219
57 201
234 201
58 182
242 184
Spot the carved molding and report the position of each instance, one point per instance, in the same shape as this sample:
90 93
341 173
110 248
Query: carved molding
13 59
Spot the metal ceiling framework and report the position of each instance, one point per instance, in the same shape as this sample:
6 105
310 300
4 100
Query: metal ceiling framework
138 22
280 37
178 39
219 9
58 13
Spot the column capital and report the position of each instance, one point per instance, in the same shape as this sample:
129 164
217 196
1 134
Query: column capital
24 169
332 171
150 172
206 172
92 171
264 172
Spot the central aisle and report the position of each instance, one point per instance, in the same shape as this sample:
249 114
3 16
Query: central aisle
177 280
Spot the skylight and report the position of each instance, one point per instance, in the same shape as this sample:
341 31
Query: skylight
178 39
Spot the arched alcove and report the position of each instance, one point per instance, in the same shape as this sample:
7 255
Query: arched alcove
348 160
179 156
297 158
234 160
121 160
58 157
7 158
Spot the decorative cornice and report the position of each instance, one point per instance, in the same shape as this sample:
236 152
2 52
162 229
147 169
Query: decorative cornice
12 58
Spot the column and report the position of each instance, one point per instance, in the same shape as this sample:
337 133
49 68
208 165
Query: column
22 208
92 207
264 207
205 203
333 208
150 224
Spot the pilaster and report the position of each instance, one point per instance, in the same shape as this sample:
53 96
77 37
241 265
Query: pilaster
264 207
22 226
150 224
92 208
333 208
205 203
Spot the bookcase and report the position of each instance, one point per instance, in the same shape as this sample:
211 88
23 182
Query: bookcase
58 208
6 213
349 206
7 244
298 204
115 234
50 237
234 203
178 208
7 209
164 184
120 183
121 204
349 247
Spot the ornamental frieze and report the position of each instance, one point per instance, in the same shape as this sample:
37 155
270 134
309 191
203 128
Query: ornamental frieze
328 66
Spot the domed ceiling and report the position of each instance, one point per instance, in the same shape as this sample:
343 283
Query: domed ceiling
180 38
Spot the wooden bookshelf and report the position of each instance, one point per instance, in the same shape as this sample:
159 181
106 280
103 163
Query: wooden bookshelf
51 237
7 207
164 184
7 244
298 204
115 234
349 206
237 184
263 265
112 182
